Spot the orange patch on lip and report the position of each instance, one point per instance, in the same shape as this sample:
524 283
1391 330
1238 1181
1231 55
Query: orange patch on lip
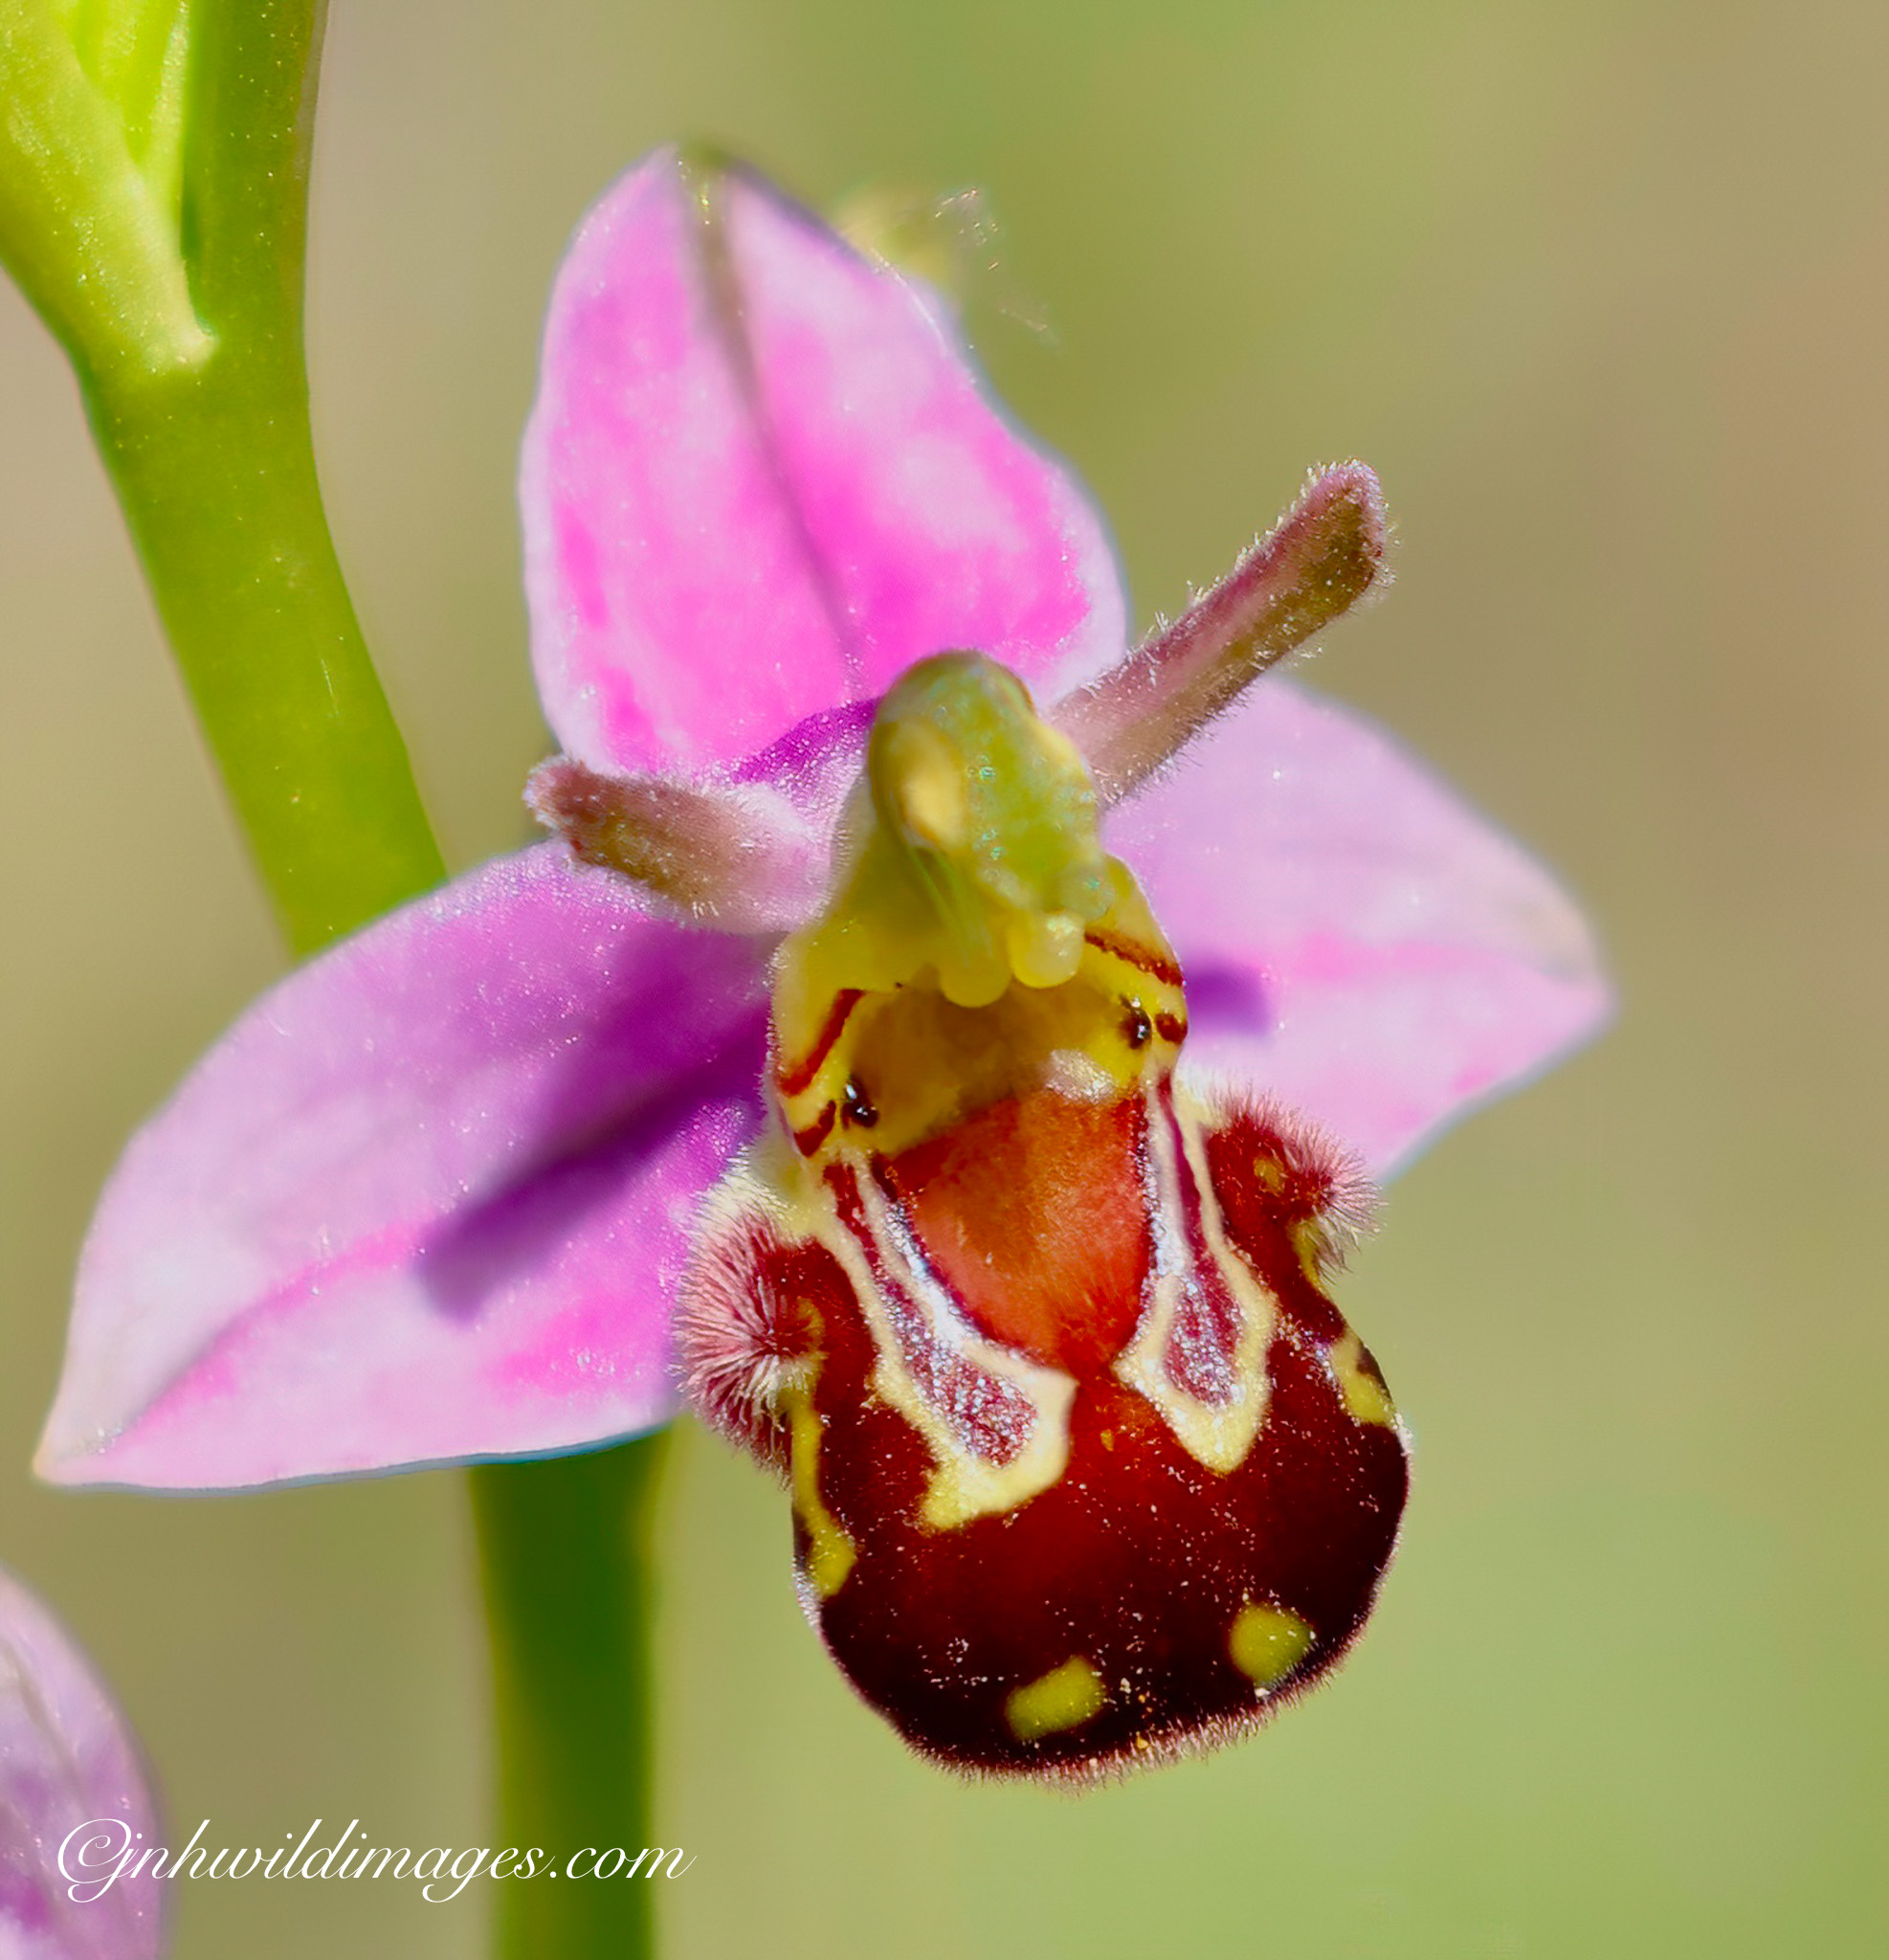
1032 1212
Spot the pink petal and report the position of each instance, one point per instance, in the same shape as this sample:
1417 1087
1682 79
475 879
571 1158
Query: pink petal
71 1781
427 1200
761 479
1356 940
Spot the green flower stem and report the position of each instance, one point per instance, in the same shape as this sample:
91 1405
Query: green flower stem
217 479
214 465
565 1549
192 370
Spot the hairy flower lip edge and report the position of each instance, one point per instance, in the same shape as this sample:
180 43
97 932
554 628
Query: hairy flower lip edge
825 731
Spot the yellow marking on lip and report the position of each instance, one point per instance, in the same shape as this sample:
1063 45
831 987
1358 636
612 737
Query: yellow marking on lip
1310 1244
963 1486
1065 1698
1267 1642
1364 1397
1219 1436
831 1554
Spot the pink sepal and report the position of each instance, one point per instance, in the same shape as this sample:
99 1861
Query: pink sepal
428 1199
1356 941
761 479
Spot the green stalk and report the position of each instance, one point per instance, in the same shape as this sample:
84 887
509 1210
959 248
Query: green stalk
565 1549
205 430
214 464
266 637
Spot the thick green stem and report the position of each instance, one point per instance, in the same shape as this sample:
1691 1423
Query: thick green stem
565 1550
216 475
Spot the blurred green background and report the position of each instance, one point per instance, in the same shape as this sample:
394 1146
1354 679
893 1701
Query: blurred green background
1603 294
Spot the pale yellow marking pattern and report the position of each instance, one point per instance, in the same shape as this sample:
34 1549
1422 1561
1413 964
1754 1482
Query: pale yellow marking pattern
1065 1698
1309 1242
963 1486
831 1554
1218 1436
1267 1642
1365 1400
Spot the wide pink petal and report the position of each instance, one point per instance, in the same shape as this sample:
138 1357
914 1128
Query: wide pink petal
761 479
1356 940
71 1783
428 1199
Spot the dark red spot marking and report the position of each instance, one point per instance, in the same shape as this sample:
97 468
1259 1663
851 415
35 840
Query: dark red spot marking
856 1106
1368 1367
808 1140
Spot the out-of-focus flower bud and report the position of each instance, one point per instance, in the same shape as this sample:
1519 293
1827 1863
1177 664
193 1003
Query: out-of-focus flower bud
78 1827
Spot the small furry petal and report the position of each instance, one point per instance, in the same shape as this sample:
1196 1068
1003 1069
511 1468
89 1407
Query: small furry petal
1324 556
733 859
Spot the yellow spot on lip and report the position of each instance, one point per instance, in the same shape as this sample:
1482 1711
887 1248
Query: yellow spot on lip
1064 1698
1267 1642
1364 1397
830 1552
1313 1247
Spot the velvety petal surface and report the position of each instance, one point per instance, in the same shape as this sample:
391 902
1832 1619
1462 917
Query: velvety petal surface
762 478
428 1199
1356 940
70 1776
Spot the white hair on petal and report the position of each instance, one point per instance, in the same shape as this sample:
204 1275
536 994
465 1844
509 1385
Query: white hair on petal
1344 1196
739 1340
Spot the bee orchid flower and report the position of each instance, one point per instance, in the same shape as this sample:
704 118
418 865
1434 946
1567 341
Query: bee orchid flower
925 1035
